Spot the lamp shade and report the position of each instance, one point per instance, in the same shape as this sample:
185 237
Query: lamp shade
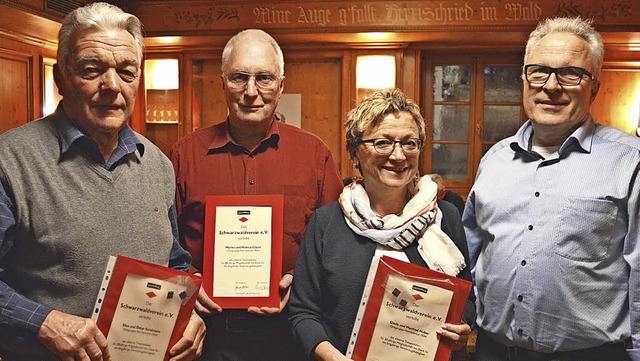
161 74
375 72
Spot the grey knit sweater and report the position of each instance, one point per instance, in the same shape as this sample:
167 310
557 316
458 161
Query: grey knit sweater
71 214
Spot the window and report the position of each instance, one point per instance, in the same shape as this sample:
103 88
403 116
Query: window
470 104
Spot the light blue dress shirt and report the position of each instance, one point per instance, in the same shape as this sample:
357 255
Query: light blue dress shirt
554 243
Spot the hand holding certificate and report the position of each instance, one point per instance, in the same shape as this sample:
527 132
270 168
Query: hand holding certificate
143 308
243 250
406 305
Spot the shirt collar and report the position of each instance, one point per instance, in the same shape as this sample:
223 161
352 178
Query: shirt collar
582 136
128 141
223 138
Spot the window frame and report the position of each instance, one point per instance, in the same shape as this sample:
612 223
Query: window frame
477 63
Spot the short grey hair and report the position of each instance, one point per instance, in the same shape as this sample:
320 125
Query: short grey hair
259 34
97 16
582 28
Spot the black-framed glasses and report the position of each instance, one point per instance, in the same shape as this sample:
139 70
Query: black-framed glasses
263 81
386 146
538 74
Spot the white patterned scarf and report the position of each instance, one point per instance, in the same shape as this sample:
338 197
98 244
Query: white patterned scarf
420 219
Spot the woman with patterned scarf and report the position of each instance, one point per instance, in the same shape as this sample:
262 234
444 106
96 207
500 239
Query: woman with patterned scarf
390 211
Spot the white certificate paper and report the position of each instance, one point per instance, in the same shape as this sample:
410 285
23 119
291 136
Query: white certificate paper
242 251
410 314
144 318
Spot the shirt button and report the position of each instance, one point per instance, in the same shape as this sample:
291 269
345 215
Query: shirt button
523 262
251 181
519 298
537 194
530 227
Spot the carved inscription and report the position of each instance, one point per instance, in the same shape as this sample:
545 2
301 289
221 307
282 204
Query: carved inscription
198 19
205 18
488 13
440 14
271 15
318 17
519 12
389 14
357 14
601 12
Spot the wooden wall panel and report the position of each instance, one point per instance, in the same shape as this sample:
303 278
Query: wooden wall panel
208 106
16 102
618 101
162 135
319 81
409 70
26 25
25 39
349 95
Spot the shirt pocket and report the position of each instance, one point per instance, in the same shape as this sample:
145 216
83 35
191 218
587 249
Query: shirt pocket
585 229
297 208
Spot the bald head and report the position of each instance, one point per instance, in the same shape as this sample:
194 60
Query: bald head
247 37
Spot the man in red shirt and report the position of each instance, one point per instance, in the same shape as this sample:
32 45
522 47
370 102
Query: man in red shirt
251 153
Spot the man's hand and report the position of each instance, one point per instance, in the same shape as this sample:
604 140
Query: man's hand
205 305
457 335
72 338
285 289
189 347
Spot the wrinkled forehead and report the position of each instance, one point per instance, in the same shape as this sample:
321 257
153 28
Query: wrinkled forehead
115 44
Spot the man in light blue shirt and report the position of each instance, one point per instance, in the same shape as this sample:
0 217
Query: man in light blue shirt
553 219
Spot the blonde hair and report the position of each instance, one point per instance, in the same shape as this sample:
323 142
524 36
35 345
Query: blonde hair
373 109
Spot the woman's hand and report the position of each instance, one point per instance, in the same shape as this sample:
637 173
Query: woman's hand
326 352
457 335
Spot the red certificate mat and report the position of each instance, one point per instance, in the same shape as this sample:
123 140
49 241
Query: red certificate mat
243 252
143 308
400 296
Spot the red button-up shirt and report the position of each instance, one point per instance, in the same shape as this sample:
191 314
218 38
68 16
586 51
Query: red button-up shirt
288 161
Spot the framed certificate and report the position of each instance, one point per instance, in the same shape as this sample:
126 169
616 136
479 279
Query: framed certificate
406 304
143 308
243 250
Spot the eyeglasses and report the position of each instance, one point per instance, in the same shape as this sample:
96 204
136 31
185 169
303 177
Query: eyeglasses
387 146
537 74
263 81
